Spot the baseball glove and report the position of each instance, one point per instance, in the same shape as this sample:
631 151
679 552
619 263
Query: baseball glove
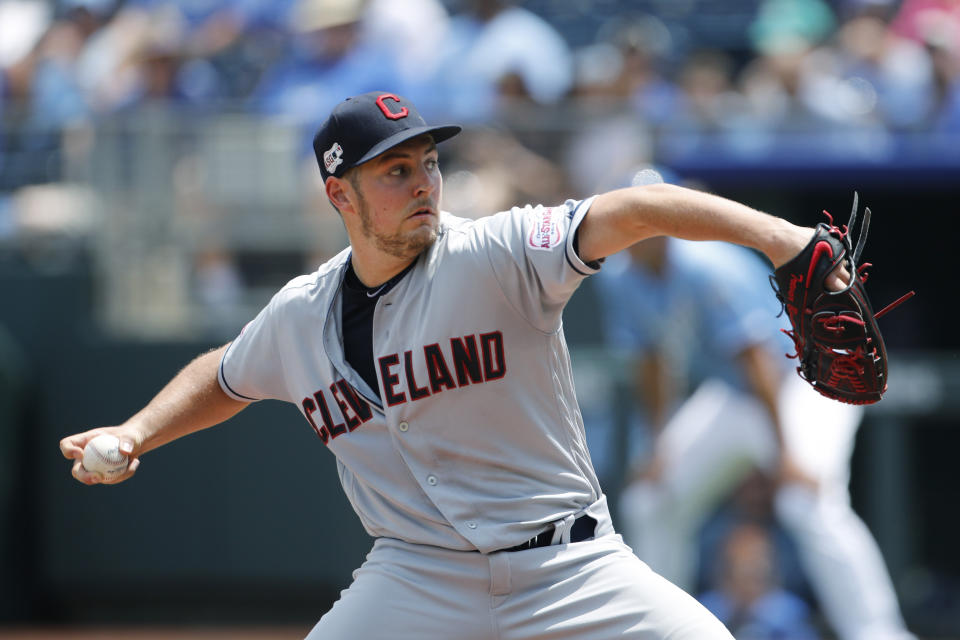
835 333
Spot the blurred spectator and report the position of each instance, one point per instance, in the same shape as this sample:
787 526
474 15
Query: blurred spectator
709 116
604 148
145 54
56 98
210 26
918 20
847 9
495 50
748 598
188 51
158 65
776 118
40 96
328 61
783 34
22 23
791 25
622 98
413 49
870 76
235 40
751 502
707 101
935 24
647 45
104 67
496 171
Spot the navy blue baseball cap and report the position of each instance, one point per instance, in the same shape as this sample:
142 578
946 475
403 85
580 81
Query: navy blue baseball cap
364 126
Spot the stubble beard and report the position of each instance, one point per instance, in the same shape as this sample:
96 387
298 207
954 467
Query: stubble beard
403 244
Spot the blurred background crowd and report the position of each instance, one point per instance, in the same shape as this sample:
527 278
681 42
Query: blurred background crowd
157 185
758 66
210 106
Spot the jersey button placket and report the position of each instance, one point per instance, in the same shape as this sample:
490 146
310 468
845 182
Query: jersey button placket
403 426
432 480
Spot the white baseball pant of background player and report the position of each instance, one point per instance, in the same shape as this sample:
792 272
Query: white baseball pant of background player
705 455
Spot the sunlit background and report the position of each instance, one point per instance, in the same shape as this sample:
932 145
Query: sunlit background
157 185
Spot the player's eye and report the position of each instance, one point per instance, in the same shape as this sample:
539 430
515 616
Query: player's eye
432 164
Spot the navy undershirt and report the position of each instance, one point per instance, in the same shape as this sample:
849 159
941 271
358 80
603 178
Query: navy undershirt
359 303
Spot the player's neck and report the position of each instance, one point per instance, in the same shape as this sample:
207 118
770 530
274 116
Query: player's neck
373 268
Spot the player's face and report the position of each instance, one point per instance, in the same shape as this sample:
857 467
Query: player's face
398 198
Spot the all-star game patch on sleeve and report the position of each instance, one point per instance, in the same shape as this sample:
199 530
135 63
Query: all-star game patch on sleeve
532 251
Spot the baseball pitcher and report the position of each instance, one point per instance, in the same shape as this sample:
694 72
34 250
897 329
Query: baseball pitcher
429 357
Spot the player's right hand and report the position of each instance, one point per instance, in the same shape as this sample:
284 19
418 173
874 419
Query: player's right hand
72 449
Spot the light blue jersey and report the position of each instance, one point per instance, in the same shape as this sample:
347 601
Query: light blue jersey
711 301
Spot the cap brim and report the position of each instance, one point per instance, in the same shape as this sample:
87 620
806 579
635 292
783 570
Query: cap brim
439 134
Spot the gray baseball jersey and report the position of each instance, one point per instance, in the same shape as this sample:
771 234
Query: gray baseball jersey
474 439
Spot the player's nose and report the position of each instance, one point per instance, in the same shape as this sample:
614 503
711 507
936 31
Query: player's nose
426 181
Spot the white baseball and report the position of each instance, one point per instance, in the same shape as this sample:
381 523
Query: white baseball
102 454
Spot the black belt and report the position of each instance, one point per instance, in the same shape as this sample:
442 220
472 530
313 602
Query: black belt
583 528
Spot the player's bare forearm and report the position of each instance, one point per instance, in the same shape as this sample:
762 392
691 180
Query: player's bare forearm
620 218
191 401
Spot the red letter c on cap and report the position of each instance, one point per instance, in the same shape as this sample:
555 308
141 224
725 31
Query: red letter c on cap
386 110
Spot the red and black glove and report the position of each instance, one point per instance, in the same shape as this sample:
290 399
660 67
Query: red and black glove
838 343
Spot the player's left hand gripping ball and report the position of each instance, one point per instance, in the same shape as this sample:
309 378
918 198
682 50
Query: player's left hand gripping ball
838 343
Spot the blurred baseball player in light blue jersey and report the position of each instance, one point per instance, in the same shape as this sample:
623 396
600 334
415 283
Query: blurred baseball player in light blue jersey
696 316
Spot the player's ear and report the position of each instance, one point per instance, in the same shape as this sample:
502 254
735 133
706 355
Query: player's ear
336 189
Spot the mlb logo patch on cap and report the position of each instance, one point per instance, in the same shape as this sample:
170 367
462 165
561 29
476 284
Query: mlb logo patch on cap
333 157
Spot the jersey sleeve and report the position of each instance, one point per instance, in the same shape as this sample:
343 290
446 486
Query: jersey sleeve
251 368
531 250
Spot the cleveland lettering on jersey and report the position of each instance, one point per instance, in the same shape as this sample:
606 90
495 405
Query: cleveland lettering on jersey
471 359
353 409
